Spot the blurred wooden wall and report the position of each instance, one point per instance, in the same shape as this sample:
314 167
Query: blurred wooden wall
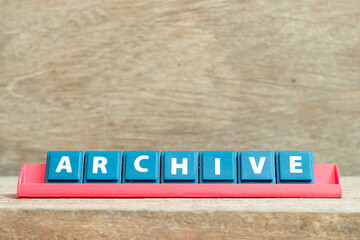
179 75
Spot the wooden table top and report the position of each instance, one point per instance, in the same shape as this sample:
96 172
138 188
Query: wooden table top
180 218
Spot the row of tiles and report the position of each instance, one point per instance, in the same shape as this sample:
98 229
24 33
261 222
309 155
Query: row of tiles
180 167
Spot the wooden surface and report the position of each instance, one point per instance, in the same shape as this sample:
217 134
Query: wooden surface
180 218
179 75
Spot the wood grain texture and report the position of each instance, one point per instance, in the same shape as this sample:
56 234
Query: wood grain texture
180 218
179 75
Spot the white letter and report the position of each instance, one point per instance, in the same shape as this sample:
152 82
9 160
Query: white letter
257 169
217 166
64 164
294 164
97 164
175 166
137 163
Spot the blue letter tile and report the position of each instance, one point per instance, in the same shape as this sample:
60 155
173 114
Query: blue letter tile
64 167
102 167
179 166
295 166
218 167
141 166
257 167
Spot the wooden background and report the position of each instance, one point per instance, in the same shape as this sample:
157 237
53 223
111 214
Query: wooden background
179 75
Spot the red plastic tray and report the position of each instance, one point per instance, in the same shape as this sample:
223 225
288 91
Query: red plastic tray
31 184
